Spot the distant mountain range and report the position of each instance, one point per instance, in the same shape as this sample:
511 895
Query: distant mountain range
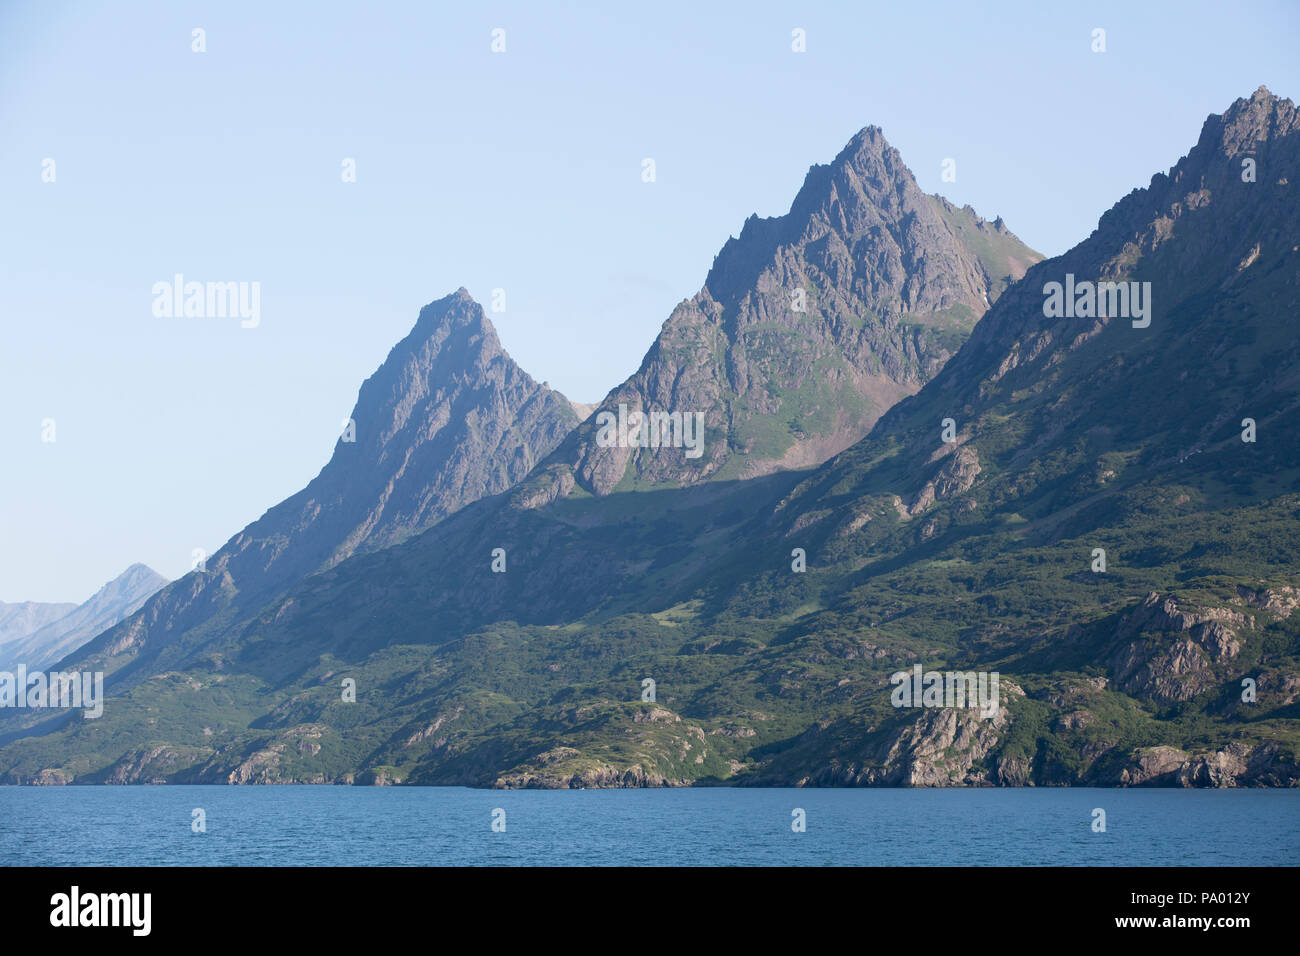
911 459
20 619
45 633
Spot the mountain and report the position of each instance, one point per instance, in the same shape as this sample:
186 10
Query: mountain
1164 446
892 279
809 327
745 632
116 600
446 419
22 618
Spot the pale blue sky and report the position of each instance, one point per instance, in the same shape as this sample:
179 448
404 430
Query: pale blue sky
519 170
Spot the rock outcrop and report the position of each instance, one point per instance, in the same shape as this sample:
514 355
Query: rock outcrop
1166 654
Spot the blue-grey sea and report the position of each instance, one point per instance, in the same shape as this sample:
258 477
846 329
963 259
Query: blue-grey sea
432 826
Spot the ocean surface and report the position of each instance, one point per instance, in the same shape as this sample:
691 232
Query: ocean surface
432 826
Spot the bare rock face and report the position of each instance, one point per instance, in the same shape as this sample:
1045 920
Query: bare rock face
954 477
1153 765
941 747
1281 602
940 750
1220 769
1166 654
809 326
48 778
595 778
149 765
1236 765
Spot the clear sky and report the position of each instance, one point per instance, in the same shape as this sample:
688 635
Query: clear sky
519 170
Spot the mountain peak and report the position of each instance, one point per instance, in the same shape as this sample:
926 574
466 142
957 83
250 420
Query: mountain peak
1225 203
448 418
1248 122
866 143
116 600
867 178
454 302
136 570
456 311
808 327
452 340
